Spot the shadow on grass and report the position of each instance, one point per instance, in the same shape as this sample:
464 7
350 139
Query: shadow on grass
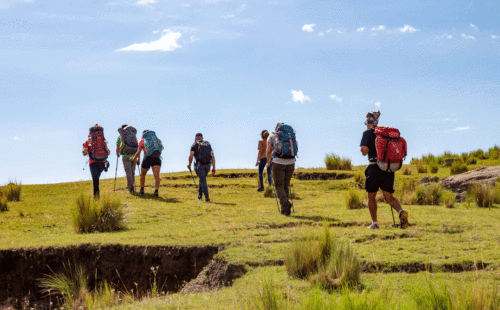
223 203
160 198
316 218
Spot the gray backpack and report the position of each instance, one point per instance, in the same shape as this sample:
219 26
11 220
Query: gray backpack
129 140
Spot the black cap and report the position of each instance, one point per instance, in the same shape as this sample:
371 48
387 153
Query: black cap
199 135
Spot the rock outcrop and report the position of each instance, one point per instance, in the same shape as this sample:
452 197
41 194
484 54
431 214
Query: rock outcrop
461 182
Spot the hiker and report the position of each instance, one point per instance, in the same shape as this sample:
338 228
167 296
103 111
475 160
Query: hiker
152 148
97 149
377 178
281 151
262 160
202 151
127 147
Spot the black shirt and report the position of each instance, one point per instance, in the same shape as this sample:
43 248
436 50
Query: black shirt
369 141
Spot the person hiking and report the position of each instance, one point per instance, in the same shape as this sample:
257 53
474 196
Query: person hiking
262 160
127 148
281 151
152 148
202 151
97 149
377 178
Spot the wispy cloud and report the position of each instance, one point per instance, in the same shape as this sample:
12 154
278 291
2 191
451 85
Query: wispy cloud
408 28
16 138
467 37
361 29
473 26
335 98
449 37
495 37
167 42
329 30
228 16
378 104
145 2
7 4
193 38
308 27
448 119
461 128
321 34
378 28
298 96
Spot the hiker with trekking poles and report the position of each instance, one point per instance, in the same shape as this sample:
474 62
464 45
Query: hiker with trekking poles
282 149
202 151
386 150
262 160
126 146
97 149
152 148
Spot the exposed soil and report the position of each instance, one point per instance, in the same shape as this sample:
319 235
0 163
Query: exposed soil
322 176
216 275
124 267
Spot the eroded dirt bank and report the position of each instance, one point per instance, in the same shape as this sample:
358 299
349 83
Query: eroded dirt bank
126 267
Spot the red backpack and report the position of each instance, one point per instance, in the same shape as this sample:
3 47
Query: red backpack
391 148
99 150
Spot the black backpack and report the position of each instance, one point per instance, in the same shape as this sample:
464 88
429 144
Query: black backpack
129 140
204 152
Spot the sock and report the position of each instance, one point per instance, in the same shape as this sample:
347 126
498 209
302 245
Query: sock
375 223
399 213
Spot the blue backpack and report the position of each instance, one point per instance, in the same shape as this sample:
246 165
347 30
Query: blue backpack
152 144
289 146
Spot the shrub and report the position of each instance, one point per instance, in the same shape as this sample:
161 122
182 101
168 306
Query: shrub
483 195
478 153
415 161
353 200
407 170
359 179
421 168
428 195
471 160
268 192
335 162
433 167
324 260
448 198
494 152
458 167
102 215
12 191
3 204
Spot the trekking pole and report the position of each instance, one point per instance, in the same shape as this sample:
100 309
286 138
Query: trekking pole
138 169
392 211
192 176
86 164
277 204
116 171
291 195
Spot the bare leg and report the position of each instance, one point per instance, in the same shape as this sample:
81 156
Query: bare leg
156 173
392 201
372 205
143 176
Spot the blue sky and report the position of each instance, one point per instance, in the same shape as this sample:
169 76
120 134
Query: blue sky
229 69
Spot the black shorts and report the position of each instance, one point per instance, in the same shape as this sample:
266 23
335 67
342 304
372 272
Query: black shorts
376 178
148 162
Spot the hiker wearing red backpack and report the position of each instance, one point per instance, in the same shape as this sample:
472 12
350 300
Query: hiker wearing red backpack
152 148
282 148
97 149
202 151
386 150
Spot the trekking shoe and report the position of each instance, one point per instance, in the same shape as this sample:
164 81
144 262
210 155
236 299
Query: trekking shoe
207 200
199 197
403 220
373 226
260 189
141 192
285 209
155 194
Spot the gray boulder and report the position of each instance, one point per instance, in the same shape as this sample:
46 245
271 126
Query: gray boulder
461 182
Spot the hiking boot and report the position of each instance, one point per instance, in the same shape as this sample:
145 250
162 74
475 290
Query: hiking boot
373 226
207 200
403 219
260 189
199 197
155 194
285 209
141 192
131 191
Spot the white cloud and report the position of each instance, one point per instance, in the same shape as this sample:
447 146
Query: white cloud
329 30
167 42
378 28
16 138
361 29
495 37
338 31
473 26
7 4
449 37
299 96
186 5
461 128
378 104
193 38
467 37
335 98
408 28
321 34
308 27
228 16
145 2
156 31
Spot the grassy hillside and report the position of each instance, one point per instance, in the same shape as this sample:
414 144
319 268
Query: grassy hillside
252 232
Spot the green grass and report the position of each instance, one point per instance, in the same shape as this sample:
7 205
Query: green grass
12 191
251 231
102 215
335 162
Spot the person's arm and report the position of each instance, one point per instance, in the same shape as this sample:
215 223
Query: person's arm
85 150
364 144
191 155
259 147
213 163
364 150
137 155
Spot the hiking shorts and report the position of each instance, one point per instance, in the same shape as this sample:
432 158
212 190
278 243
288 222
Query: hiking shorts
376 178
148 162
